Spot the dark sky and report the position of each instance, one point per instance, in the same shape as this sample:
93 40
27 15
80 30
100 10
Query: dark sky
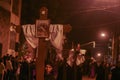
87 17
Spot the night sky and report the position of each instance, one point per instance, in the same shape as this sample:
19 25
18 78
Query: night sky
87 17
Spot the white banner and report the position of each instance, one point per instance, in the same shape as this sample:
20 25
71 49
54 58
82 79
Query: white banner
29 32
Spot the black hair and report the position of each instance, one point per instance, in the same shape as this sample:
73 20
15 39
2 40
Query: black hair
48 63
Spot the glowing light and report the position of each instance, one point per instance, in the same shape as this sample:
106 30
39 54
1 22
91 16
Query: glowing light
99 54
103 34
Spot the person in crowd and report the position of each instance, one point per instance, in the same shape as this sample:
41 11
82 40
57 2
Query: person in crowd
116 72
100 72
24 70
93 69
69 66
79 61
107 71
18 71
9 68
2 69
49 72
32 70
15 66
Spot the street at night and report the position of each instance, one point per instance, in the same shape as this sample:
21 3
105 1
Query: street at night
59 39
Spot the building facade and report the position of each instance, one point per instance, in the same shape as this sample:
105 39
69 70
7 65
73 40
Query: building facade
9 20
116 45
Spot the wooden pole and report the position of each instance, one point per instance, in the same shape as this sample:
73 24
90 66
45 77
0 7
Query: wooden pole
42 46
40 60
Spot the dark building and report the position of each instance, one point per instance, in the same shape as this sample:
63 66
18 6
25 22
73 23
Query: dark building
116 45
9 20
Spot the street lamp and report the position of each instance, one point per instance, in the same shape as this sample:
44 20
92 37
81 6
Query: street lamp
108 40
103 34
98 54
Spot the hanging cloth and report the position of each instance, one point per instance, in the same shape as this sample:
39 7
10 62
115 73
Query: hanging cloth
29 32
56 35
56 38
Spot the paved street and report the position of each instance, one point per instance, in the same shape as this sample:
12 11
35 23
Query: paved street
87 78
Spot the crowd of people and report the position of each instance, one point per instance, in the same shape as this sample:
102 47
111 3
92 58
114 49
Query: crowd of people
16 68
95 71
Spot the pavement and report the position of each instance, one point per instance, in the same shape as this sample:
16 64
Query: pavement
87 78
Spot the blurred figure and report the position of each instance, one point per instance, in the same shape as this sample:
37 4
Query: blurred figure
9 68
49 74
92 69
116 72
100 72
69 66
2 69
24 70
107 71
